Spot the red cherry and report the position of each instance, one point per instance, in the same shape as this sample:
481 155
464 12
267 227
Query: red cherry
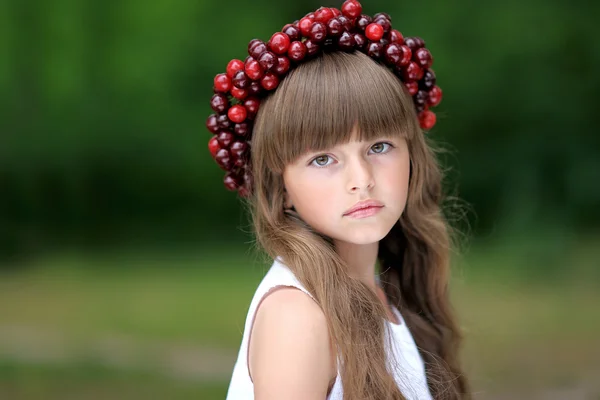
412 87
279 43
267 60
429 80
374 32
219 103
254 70
225 138
222 83
318 32
406 56
238 149
257 49
213 146
239 162
323 14
305 24
223 121
283 65
270 81
351 8
292 31
347 22
242 129
297 50
414 43
363 21
392 53
360 41
212 124
385 24
312 48
335 11
241 80
247 178
231 182
427 119
382 15
412 72
234 66
254 88
423 57
374 50
252 43
435 96
238 93
251 104
244 192
420 108
420 99
396 37
346 42
237 113
223 158
335 27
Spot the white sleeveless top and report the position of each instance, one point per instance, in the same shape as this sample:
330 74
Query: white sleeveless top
403 359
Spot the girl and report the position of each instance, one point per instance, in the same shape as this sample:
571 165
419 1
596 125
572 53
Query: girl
345 196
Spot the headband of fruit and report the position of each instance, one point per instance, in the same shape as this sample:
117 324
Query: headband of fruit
238 91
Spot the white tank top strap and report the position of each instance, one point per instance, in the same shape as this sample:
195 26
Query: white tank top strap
278 275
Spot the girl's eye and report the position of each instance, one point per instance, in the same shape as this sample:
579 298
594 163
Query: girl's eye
321 161
380 147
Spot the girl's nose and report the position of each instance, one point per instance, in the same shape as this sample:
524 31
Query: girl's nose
359 175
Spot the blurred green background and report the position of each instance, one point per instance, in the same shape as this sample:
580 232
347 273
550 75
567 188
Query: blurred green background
126 269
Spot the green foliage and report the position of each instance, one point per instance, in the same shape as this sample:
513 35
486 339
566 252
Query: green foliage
102 110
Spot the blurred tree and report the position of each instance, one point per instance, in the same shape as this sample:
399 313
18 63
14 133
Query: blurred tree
103 105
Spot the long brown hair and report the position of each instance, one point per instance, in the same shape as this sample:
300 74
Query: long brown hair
315 108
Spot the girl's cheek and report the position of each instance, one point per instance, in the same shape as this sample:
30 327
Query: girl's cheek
315 179
321 174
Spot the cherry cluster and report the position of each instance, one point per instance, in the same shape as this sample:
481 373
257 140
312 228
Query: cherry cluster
238 91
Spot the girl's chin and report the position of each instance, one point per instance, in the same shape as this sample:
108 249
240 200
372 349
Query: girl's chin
363 237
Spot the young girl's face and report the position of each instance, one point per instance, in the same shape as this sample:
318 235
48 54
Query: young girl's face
324 186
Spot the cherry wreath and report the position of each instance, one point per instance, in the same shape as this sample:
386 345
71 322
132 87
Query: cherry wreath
238 91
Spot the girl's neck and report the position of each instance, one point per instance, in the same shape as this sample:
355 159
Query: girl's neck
360 259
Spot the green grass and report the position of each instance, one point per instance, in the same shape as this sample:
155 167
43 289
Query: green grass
169 326
91 381
198 299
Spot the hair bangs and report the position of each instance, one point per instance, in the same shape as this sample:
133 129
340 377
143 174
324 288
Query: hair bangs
326 101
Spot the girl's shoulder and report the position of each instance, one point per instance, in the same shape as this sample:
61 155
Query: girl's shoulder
282 297
289 339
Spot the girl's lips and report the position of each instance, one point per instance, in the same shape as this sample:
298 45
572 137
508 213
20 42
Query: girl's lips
364 212
365 204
